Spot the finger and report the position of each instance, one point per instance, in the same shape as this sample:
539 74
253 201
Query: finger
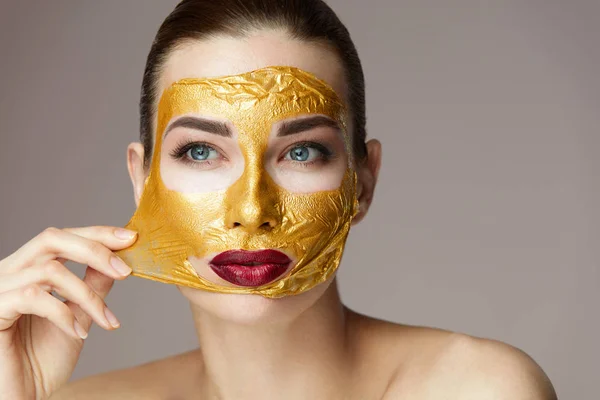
101 285
115 238
47 244
35 301
66 284
57 243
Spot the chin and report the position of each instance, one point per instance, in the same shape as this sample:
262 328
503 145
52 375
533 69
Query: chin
252 309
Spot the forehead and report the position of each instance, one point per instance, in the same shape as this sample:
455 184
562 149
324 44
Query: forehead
220 56
273 93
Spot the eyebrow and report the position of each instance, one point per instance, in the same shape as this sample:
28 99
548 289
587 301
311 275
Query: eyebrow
219 128
200 124
306 124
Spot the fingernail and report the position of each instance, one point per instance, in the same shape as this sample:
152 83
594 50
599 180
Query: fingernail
120 266
80 331
111 318
124 234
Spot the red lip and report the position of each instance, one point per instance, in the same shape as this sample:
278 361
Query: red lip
250 268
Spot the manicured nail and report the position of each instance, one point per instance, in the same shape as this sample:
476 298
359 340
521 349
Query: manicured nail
120 266
80 331
124 234
111 318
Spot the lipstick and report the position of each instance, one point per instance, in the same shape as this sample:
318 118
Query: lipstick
250 268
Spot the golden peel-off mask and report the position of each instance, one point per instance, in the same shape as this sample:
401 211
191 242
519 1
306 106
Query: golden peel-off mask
175 226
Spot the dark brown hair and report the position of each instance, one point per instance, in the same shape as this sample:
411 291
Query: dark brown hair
309 20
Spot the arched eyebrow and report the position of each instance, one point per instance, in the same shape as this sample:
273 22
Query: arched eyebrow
200 124
306 124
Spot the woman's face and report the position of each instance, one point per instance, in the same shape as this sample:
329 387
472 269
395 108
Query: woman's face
206 154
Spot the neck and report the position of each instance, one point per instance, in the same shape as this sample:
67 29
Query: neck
305 357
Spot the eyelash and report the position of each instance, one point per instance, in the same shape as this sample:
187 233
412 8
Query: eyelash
181 149
180 153
326 153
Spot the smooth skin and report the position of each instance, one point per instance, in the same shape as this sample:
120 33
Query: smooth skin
308 346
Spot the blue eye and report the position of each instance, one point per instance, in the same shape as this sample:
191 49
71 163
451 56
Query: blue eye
300 153
304 153
201 152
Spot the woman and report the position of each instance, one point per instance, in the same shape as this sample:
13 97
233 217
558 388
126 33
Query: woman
295 340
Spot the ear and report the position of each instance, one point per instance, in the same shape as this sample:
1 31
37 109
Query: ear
135 166
368 172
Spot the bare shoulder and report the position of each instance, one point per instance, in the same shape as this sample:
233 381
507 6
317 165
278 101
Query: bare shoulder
432 363
511 372
153 380
469 368
489 369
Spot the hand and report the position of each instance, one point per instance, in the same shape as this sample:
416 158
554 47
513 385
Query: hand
41 337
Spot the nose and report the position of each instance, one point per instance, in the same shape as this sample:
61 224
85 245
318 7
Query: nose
252 203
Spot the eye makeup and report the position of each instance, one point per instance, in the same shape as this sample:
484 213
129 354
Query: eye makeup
180 153
324 155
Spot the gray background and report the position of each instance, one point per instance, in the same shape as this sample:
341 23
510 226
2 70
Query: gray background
486 216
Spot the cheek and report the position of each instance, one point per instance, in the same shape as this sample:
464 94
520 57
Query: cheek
185 179
311 180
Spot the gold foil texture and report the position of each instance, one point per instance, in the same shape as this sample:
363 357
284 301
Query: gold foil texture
174 226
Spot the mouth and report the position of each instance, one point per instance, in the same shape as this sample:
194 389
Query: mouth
250 268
